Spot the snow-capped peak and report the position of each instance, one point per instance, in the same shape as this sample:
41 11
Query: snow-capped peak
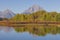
32 9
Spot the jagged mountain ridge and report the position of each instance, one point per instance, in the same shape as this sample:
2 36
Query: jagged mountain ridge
32 9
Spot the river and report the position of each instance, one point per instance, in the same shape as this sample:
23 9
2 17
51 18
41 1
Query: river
30 33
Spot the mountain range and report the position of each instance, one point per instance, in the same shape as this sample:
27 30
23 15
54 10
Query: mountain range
8 13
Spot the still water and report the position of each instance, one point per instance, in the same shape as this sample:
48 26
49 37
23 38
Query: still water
29 33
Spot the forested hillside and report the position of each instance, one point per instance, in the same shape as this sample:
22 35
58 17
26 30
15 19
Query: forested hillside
37 16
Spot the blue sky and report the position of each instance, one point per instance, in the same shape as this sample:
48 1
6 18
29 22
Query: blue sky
19 6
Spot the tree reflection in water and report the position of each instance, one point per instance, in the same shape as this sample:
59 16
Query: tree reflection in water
40 30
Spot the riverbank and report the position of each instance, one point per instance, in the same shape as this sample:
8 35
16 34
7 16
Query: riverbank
17 23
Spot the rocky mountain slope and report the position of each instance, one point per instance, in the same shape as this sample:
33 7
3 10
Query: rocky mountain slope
6 14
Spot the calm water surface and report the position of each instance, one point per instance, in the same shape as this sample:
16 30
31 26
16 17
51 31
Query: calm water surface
21 33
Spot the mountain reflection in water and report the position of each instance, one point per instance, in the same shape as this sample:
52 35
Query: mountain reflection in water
30 32
40 30
5 28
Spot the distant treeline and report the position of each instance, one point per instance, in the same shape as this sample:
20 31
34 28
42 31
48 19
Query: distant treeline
37 16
